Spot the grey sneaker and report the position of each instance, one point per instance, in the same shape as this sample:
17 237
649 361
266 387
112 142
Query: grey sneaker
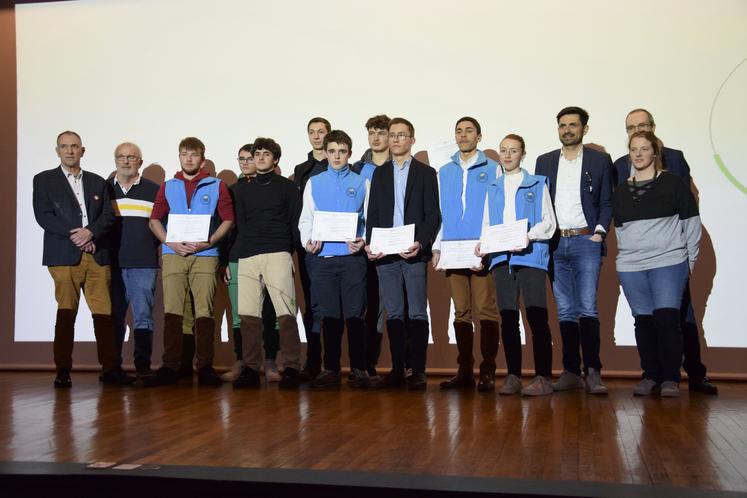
234 373
669 389
271 371
359 379
594 384
511 385
539 386
567 381
646 387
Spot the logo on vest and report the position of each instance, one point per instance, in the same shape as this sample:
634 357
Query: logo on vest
529 196
205 199
482 177
350 191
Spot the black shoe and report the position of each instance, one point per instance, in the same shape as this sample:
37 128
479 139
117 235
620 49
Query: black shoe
418 382
186 372
117 377
309 373
290 379
459 381
392 380
206 376
141 373
248 378
487 383
704 386
372 372
164 376
359 379
328 379
62 380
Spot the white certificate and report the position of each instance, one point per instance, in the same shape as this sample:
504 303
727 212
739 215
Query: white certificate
330 226
440 154
501 238
392 240
188 228
457 254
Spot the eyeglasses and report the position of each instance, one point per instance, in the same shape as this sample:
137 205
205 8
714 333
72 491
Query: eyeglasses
398 136
126 159
245 159
638 127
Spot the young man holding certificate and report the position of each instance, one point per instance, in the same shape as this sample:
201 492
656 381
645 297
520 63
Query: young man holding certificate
463 186
522 269
190 258
403 204
332 226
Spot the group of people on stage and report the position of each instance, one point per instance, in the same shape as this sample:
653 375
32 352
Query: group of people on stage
104 236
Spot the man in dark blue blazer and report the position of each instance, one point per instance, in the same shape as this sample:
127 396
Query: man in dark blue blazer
674 162
581 189
404 191
74 209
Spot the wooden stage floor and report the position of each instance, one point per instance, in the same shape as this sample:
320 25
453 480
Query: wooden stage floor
694 441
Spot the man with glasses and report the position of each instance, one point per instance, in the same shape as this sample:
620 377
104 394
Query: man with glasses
134 254
376 155
316 163
404 191
581 190
74 209
675 163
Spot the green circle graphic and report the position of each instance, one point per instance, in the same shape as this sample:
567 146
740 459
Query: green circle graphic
716 157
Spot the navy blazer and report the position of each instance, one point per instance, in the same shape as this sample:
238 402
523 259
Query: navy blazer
421 203
673 159
596 183
57 211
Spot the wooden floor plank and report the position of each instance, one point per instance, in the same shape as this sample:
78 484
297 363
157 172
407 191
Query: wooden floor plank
694 441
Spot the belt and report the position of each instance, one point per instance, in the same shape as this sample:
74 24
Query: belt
572 232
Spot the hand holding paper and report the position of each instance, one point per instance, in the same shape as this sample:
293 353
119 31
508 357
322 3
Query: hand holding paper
392 240
509 236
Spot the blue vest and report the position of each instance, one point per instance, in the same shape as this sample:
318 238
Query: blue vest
367 171
204 201
341 191
457 222
528 204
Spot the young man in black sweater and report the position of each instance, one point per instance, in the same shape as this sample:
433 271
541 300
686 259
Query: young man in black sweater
267 212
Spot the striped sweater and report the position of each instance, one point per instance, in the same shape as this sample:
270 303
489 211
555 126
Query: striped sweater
656 224
133 245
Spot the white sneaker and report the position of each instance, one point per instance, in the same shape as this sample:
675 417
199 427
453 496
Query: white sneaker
669 389
539 386
234 373
567 381
511 385
594 384
646 387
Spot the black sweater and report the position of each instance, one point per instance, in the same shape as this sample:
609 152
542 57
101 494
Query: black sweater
267 212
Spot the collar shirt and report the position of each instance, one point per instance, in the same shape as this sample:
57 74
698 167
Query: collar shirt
568 192
400 183
465 166
76 184
125 190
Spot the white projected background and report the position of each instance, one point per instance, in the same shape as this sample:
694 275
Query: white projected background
228 71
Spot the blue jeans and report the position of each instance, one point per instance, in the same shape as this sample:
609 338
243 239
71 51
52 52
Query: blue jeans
134 287
658 288
655 297
577 263
397 277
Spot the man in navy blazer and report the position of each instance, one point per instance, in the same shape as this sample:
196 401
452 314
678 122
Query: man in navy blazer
675 163
581 189
74 209
404 191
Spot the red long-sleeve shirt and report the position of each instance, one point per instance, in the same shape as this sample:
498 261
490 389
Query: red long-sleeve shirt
161 205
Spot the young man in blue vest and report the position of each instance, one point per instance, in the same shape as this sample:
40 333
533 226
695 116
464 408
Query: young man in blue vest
463 185
339 279
190 266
